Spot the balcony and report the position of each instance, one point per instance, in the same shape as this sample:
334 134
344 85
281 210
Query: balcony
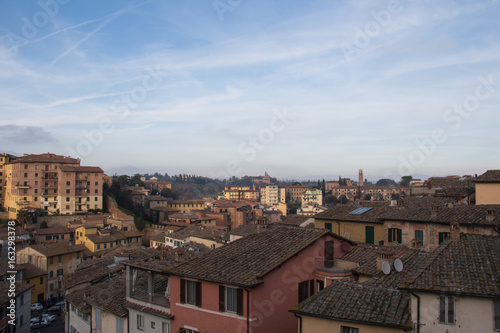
50 177
21 186
81 186
334 268
47 203
149 287
22 202
48 186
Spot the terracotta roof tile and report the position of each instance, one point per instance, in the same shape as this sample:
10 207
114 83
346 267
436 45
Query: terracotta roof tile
469 266
490 176
244 262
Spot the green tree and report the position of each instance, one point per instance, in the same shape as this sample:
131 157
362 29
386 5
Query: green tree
385 182
44 225
292 207
23 217
343 199
331 200
405 181
368 196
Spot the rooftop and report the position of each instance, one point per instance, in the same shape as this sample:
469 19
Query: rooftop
87 169
246 261
469 266
55 249
46 158
352 301
490 176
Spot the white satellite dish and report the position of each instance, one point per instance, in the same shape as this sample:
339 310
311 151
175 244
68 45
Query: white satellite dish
386 267
398 265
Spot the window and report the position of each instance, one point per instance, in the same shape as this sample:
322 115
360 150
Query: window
231 300
62 236
306 289
48 237
496 305
96 191
320 285
51 286
68 183
153 324
395 235
41 280
447 309
191 292
67 191
59 258
419 234
165 327
443 236
98 246
51 275
98 323
346 329
119 325
59 272
140 322
22 296
67 199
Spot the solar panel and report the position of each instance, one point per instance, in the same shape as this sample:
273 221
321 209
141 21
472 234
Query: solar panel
360 210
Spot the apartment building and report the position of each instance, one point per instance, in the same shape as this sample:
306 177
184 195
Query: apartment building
295 192
272 194
52 183
57 259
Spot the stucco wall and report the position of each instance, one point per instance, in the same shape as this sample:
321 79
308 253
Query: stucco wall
472 314
148 320
315 325
487 194
355 231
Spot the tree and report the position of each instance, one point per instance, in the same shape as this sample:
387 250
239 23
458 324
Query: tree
23 217
368 197
44 225
292 207
405 181
331 200
385 182
343 199
395 196
140 223
296 183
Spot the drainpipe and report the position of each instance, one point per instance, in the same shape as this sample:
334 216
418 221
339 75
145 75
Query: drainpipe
418 312
248 309
300 322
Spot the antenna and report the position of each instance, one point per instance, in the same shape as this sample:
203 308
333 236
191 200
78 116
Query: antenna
386 267
398 265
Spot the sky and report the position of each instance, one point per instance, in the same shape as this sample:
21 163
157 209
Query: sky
221 88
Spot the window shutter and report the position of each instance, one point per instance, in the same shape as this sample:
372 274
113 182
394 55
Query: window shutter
183 291
198 294
222 299
442 309
451 310
239 302
400 236
389 234
311 288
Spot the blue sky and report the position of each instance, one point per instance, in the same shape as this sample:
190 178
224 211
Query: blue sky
238 87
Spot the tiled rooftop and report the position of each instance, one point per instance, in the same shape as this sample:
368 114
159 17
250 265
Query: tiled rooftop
490 176
47 158
55 249
4 291
51 231
468 266
87 169
109 296
245 261
30 270
352 301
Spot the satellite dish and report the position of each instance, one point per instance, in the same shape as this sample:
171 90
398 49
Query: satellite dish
398 265
386 267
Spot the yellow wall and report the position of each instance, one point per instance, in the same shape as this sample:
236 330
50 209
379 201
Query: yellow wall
355 231
487 193
315 325
39 288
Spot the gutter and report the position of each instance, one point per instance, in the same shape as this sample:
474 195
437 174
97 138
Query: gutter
300 321
248 309
418 311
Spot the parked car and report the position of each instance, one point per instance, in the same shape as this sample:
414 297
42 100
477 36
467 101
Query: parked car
36 306
37 323
49 317
55 310
61 304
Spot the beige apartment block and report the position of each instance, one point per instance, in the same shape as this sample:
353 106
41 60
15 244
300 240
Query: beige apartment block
52 183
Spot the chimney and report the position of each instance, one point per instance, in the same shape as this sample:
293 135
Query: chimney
455 231
434 210
490 215
382 257
261 223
